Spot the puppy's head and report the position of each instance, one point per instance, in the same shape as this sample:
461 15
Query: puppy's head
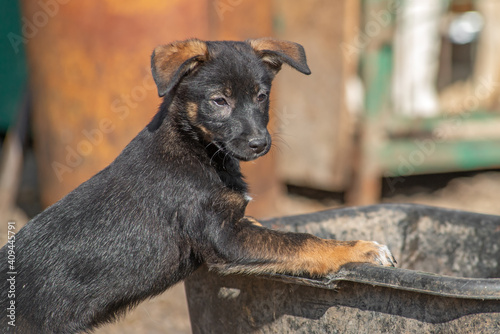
222 88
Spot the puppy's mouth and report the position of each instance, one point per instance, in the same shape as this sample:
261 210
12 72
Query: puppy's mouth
245 150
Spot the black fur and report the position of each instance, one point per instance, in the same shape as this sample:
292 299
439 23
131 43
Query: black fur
173 199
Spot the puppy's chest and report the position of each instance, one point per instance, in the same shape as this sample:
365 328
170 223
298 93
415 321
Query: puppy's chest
229 173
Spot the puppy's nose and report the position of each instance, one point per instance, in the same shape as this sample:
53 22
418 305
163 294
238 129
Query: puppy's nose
257 144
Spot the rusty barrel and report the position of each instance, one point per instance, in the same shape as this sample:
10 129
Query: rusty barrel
91 82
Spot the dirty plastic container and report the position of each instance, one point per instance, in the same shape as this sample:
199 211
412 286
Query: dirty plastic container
447 280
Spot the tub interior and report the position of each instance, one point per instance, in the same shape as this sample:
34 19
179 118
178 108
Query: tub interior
444 242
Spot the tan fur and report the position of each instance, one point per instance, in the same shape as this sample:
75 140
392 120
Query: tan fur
317 257
252 220
288 48
207 135
320 257
192 111
168 58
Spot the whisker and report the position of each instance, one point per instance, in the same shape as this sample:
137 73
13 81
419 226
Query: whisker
224 159
276 148
277 139
213 155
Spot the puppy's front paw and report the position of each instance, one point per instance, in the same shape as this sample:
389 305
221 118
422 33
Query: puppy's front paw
373 252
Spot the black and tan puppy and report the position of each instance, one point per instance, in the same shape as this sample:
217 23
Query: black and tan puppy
172 200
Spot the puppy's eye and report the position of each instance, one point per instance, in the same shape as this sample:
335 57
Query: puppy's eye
220 101
262 97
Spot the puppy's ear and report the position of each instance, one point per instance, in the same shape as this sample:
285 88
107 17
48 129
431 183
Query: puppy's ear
275 52
171 62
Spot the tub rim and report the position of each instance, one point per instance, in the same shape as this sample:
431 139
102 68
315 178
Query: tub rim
395 278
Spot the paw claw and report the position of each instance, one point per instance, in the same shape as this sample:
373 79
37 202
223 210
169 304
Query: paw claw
381 255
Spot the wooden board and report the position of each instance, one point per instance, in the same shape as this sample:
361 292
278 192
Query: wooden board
311 112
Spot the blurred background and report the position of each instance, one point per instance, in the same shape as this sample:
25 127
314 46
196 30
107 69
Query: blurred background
402 104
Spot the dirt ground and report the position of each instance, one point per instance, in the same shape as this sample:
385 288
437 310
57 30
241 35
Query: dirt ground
168 313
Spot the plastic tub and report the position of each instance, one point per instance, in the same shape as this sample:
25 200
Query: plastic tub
447 280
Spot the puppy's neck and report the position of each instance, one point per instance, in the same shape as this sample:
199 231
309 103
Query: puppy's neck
227 167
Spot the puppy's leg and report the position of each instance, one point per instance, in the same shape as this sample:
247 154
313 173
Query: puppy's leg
248 248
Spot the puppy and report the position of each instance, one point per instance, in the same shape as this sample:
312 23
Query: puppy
172 200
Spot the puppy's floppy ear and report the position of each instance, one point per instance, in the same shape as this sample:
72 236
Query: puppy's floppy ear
274 53
171 62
